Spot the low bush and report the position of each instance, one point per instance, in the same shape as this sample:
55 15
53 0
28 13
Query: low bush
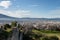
50 38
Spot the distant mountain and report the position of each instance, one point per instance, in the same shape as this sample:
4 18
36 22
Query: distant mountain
5 17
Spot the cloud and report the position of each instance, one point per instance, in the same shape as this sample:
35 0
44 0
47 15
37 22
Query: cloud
57 11
54 13
5 4
17 13
34 5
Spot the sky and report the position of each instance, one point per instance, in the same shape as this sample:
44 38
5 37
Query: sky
30 8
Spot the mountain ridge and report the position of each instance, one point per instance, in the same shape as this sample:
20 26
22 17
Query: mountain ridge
5 16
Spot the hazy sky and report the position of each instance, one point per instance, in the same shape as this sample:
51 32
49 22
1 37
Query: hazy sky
31 8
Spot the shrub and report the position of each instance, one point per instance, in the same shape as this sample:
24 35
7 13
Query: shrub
50 38
7 26
54 38
14 24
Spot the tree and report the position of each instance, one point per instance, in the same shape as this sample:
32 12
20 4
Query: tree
3 35
7 26
14 24
19 26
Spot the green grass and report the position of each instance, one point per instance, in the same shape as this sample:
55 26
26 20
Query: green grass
8 30
47 32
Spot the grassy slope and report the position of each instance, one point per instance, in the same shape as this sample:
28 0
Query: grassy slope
48 33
